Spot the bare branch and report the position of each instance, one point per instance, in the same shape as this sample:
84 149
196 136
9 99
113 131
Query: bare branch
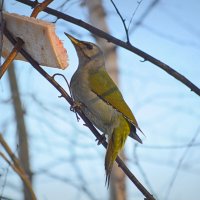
40 7
11 57
5 180
167 147
6 198
134 12
175 174
72 183
16 166
145 14
123 21
142 172
118 42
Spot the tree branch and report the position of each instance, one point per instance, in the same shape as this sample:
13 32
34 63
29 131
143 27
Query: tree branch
134 12
123 21
120 43
65 95
144 15
175 174
16 167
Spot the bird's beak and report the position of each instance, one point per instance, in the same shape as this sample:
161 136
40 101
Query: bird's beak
73 40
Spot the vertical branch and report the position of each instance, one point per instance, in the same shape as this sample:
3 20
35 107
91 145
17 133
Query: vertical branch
21 128
123 21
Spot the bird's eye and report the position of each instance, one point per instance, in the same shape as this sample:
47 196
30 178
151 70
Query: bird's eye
89 46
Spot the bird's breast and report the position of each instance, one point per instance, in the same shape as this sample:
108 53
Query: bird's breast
100 113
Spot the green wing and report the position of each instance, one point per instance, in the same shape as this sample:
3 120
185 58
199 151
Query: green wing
103 86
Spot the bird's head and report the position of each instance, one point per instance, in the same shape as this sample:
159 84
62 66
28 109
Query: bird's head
86 50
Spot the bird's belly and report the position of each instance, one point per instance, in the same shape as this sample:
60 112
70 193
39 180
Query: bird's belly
100 113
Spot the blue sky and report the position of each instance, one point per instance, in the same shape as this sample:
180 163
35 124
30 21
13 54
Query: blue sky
166 110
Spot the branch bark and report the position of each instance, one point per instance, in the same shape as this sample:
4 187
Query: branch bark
120 43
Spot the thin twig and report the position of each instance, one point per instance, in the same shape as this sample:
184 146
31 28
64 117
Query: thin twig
68 85
73 108
175 174
16 166
123 21
65 95
118 42
6 198
146 12
167 147
72 183
11 56
40 7
4 182
142 172
138 5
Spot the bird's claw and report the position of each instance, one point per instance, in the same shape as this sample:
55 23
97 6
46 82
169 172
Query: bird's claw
76 106
101 139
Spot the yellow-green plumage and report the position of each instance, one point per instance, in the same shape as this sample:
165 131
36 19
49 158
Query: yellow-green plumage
101 100
115 144
101 83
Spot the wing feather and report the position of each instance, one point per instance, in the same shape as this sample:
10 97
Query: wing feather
103 86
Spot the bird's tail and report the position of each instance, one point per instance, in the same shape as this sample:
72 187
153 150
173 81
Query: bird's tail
134 135
111 155
115 144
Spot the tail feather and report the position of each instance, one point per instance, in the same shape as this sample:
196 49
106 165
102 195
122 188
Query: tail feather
115 144
134 135
111 155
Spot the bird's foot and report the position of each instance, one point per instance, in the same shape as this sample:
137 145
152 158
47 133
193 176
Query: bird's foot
76 106
101 139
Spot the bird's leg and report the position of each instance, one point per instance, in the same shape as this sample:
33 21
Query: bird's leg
101 139
76 106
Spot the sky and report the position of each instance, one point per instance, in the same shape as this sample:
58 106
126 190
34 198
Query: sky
65 158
